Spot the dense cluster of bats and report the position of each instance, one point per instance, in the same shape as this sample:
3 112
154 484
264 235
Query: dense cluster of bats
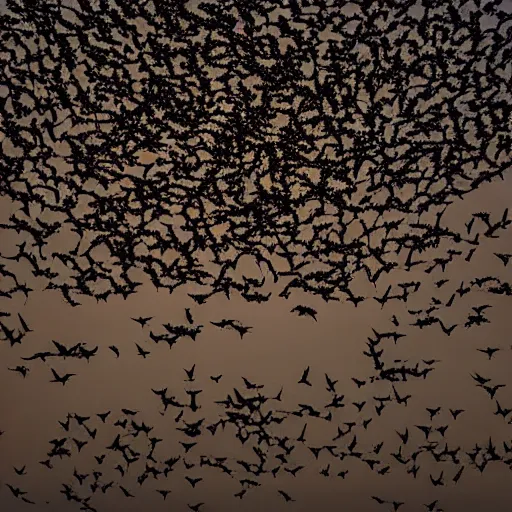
331 151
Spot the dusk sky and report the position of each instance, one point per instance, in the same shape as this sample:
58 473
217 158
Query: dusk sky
280 343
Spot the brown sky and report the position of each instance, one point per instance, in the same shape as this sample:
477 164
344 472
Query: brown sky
275 353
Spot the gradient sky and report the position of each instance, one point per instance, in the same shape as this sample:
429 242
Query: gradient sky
274 353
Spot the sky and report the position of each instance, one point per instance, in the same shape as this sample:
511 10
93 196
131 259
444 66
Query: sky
276 351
